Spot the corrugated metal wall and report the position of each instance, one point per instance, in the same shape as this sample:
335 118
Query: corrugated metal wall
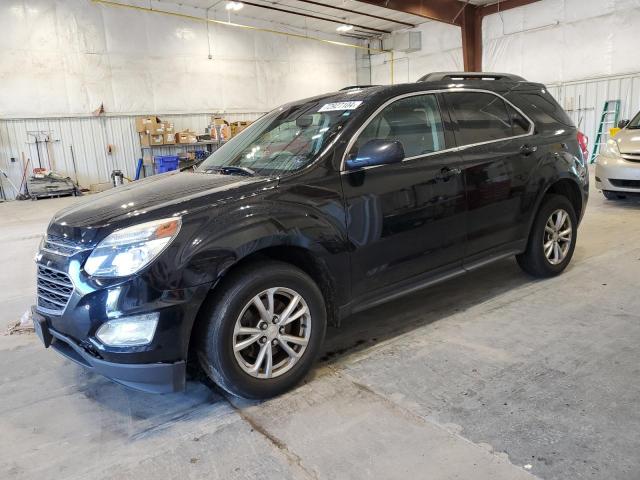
584 99
89 138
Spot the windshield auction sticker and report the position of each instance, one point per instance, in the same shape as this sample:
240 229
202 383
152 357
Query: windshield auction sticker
340 106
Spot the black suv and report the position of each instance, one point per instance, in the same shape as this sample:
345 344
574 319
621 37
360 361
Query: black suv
321 208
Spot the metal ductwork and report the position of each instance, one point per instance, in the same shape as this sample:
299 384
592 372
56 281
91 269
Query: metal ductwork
406 42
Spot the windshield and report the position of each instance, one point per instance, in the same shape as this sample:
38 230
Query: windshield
635 122
282 141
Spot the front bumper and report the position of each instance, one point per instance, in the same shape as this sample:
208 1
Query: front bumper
146 377
617 174
85 303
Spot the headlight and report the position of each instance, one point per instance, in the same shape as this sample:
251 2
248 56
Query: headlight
612 148
127 251
128 331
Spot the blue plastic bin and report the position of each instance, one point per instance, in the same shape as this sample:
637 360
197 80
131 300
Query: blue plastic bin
165 163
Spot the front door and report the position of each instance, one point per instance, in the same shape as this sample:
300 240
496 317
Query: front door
405 219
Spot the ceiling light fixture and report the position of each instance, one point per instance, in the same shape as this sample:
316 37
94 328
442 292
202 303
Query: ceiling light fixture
235 6
344 28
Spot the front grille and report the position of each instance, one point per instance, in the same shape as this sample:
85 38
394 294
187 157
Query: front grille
61 246
54 290
625 183
631 157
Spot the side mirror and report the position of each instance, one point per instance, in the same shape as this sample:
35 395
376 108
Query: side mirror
623 123
376 152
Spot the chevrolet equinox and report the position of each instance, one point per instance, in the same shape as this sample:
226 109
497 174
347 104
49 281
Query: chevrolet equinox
321 208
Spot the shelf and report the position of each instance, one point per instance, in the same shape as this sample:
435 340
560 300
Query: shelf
165 145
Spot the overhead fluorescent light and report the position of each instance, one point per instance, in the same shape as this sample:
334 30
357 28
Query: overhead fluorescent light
344 28
235 6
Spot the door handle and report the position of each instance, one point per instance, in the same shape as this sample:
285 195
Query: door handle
527 149
446 173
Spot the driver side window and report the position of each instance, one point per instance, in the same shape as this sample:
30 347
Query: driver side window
413 121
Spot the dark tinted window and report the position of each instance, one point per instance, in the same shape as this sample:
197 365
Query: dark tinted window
541 107
481 117
413 121
520 124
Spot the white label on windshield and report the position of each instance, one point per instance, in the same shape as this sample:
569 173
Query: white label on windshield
333 107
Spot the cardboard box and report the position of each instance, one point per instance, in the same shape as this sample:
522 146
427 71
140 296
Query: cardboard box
213 132
157 139
217 121
225 133
147 140
168 127
186 136
237 127
169 138
146 124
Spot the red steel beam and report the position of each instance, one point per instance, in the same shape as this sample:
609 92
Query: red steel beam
471 30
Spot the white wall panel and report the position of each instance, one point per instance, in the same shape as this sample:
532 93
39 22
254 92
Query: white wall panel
63 58
564 40
441 51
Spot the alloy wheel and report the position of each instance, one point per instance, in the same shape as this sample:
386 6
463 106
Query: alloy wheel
558 234
272 332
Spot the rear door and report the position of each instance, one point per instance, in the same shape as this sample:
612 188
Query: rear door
498 149
407 218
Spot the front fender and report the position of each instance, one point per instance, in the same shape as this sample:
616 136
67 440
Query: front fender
222 238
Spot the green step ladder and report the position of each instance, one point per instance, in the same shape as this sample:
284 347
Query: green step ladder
608 119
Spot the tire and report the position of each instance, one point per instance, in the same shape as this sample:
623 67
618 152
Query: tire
231 307
610 195
534 260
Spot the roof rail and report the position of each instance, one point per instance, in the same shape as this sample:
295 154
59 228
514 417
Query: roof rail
355 87
442 76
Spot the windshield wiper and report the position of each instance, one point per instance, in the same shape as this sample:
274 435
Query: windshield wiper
232 170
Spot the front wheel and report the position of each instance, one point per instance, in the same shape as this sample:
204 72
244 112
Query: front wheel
262 330
552 239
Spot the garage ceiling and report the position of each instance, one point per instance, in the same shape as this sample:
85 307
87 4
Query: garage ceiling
368 20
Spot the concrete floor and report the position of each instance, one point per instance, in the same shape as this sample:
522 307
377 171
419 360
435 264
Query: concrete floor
489 376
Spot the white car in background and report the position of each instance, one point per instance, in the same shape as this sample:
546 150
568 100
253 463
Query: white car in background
618 165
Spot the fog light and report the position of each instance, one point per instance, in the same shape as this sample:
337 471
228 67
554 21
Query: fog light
128 331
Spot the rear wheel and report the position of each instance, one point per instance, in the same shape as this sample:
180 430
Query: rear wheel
552 239
263 329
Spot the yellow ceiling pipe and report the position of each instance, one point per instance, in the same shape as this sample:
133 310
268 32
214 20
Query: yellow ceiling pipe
247 27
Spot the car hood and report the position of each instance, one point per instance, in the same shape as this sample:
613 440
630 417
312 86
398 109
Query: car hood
155 197
628 141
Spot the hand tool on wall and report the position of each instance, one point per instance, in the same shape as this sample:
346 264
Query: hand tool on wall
73 161
10 182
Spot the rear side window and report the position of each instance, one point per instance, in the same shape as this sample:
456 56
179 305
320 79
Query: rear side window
413 121
542 108
481 117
